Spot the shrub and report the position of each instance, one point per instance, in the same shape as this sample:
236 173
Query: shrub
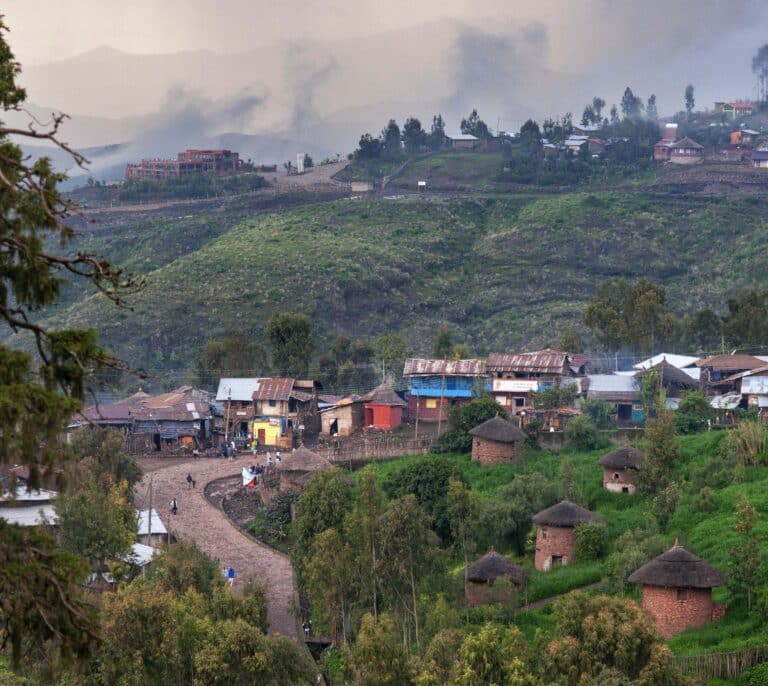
460 421
633 549
746 442
693 413
591 542
531 430
582 433
665 503
755 676
599 412
705 500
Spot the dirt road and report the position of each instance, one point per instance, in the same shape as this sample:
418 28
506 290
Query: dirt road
216 536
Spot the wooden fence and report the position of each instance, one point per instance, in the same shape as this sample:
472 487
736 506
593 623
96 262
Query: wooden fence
722 665
378 448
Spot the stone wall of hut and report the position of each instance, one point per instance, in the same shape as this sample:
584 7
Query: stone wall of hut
554 541
617 480
677 609
478 593
492 452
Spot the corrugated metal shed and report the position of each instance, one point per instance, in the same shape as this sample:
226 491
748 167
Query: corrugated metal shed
274 389
538 362
143 523
613 387
239 389
429 367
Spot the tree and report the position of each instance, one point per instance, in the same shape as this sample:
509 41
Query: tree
390 353
746 323
443 343
101 452
599 412
233 355
183 566
463 513
614 115
308 162
95 522
689 100
590 542
588 116
428 480
664 504
414 137
378 654
631 105
745 564
582 433
693 412
461 420
290 337
594 633
652 394
494 655
369 148
475 126
390 139
408 548
703 330
650 108
568 481
571 341
559 395
662 452
597 105
530 135
41 391
760 69
436 138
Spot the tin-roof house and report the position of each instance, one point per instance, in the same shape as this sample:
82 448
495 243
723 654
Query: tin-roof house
434 386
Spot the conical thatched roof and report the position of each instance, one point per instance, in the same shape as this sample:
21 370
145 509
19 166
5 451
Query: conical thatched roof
622 458
384 395
678 568
303 460
492 566
566 513
499 430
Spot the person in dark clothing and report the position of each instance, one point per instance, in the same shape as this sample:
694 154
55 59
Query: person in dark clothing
189 481
174 506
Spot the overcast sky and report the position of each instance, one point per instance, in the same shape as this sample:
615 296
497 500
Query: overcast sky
309 62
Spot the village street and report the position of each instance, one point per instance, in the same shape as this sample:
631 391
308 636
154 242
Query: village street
215 535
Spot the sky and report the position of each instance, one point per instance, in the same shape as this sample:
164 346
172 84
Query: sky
322 70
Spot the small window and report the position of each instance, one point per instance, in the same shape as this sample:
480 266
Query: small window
625 489
615 476
543 533
431 403
273 403
682 594
557 560
520 402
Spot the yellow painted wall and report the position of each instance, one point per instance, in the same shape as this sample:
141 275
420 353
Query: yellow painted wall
271 432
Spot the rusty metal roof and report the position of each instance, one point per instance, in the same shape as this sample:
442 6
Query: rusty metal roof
273 389
183 404
541 362
427 367
731 362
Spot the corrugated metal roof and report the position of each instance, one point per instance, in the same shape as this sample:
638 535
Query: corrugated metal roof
731 362
678 361
725 402
612 382
29 516
461 137
428 367
140 554
143 523
757 385
240 389
274 389
540 361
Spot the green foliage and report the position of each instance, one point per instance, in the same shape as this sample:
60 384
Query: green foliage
693 412
531 430
754 676
233 355
95 522
568 481
746 323
664 504
461 420
745 570
493 655
390 352
599 412
556 396
183 566
443 343
591 542
582 433
652 394
704 501
662 451
101 453
632 550
746 442
378 654
290 337
428 480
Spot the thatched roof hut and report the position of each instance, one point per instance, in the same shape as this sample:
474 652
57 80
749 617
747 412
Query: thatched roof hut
621 458
492 566
498 430
384 394
303 460
677 568
566 514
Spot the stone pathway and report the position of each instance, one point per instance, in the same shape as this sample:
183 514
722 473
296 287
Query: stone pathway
216 536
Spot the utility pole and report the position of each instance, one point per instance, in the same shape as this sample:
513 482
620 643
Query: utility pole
226 416
440 409
417 417
149 512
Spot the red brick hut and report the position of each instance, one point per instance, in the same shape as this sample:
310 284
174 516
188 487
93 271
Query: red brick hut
556 535
677 590
383 408
496 440
620 469
294 467
481 575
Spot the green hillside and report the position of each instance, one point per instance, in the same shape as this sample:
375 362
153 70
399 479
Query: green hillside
506 272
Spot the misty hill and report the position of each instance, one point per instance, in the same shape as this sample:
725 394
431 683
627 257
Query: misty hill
506 273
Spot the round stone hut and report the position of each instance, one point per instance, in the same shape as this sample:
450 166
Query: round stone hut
556 534
496 440
677 590
482 574
296 465
620 469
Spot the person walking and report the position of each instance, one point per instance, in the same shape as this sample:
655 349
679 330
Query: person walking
174 506
231 576
190 481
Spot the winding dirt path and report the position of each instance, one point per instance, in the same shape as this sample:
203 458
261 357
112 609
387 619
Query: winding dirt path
216 535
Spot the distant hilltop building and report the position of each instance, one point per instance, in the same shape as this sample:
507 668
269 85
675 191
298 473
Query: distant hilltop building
187 163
